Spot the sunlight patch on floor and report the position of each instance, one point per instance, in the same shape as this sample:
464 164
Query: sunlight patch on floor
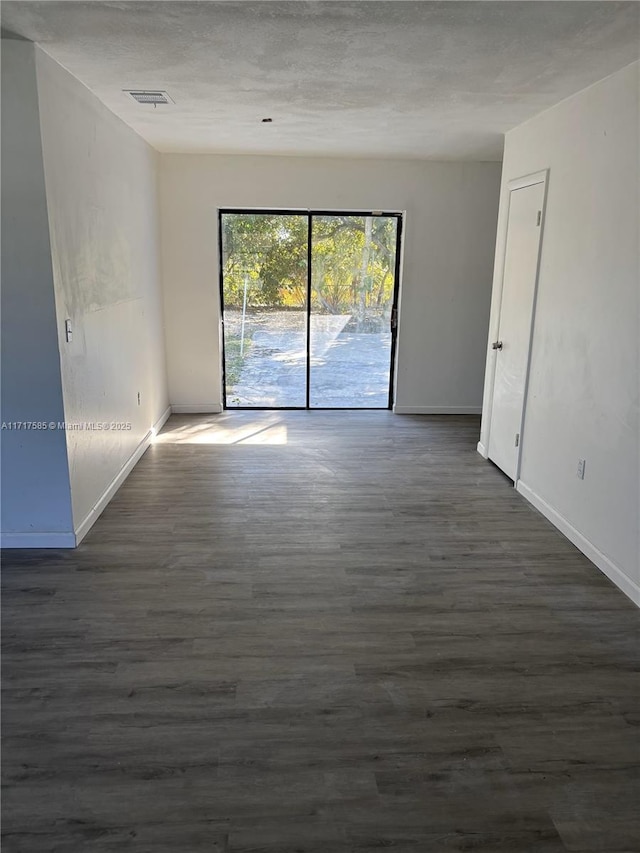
259 431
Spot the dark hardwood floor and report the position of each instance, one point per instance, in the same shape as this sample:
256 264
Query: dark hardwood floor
318 631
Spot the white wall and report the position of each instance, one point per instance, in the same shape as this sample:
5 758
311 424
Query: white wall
36 499
102 203
449 239
585 382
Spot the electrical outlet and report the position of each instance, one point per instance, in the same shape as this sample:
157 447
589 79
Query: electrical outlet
581 466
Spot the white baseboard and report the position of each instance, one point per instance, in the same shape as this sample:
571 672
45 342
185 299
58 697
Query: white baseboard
164 417
482 450
52 539
616 575
196 409
437 410
85 526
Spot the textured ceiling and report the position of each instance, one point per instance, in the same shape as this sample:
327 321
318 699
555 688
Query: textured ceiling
440 80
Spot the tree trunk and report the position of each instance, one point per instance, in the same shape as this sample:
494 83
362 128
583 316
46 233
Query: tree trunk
366 253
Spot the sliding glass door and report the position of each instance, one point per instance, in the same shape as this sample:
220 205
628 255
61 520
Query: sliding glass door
309 305
264 287
353 272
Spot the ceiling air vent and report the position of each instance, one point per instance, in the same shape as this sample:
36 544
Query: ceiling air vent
151 97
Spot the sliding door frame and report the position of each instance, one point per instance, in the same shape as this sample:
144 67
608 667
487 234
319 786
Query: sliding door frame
269 211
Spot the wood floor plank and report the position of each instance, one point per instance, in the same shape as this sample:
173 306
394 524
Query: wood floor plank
318 632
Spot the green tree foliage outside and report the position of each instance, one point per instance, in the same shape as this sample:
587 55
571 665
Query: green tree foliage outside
353 264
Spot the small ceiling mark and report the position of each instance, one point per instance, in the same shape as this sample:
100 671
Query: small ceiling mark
266 120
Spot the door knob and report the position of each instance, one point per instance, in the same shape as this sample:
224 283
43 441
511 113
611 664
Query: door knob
496 345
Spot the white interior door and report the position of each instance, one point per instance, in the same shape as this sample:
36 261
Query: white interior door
513 342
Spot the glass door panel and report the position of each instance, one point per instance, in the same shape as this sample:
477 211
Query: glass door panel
353 285
264 297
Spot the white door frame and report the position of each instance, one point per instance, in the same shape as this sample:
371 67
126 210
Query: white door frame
541 177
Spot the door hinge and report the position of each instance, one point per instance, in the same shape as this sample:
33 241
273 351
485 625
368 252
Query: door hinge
517 439
539 217
394 319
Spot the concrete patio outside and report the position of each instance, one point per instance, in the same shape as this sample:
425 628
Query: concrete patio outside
348 369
